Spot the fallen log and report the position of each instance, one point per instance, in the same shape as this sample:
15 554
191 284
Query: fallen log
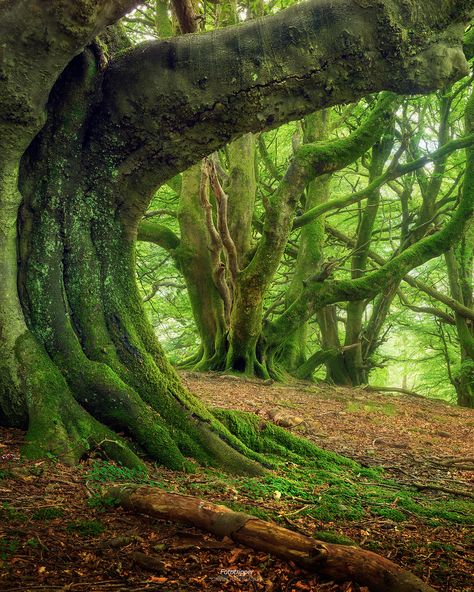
335 562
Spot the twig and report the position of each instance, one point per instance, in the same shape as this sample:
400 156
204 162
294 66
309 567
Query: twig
444 489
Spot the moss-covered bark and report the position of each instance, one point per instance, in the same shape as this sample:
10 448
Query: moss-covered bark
196 263
460 265
81 299
33 392
354 360
310 248
312 163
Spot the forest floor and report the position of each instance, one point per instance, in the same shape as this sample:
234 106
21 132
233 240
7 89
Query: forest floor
409 498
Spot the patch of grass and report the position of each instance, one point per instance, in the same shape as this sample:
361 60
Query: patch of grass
326 486
451 510
103 472
372 546
386 409
372 473
335 492
266 487
287 404
33 543
252 510
9 513
89 528
102 502
337 505
438 545
48 513
390 513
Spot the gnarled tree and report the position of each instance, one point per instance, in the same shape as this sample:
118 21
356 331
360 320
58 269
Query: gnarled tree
85 141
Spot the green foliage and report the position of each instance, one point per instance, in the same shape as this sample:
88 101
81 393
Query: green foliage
86 528
102 502
390 513
10 513
440 546
8 547
415 346
248 509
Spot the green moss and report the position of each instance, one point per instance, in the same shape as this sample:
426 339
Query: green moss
8 513
8 547
440 546
457 511
105 472
87 528
48 513
100 502
390 513
330 536
265 437
248 509
372 546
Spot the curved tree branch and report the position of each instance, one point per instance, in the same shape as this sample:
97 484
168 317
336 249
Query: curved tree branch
166 104
392 172
317 294
161 235
451 303
428 310
311 161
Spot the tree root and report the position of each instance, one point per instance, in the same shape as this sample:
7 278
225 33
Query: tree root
335 562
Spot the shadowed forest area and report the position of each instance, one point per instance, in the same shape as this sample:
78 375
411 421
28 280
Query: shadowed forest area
236 295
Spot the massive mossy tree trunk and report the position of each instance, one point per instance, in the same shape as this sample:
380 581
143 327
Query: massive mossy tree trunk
79 361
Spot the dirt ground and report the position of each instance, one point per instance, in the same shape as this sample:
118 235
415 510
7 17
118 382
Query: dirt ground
57 534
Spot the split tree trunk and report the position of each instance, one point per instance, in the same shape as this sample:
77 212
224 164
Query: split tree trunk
79 293
334 562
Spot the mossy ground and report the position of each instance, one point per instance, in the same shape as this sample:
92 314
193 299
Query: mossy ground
331 491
